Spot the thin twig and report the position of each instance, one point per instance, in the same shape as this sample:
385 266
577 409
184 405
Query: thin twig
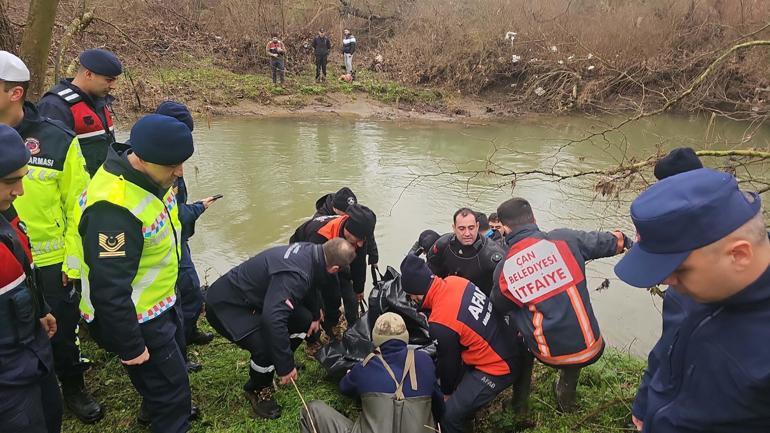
307 409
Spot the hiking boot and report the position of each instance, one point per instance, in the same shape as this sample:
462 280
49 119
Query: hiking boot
80 402
263 404
200 338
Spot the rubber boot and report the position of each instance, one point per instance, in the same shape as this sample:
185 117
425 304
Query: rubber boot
522 387
79 401
566 388
259 392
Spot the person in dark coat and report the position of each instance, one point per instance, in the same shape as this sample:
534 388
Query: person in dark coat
705 238
321 47
357 227
29 393
189 282
542 285
267 305
372 383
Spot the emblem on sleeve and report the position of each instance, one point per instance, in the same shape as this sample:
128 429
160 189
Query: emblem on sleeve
112 245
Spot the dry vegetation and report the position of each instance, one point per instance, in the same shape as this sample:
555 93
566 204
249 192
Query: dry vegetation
588 55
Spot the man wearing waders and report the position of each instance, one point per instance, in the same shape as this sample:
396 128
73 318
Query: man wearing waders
477 353
268 305
397 387
542 285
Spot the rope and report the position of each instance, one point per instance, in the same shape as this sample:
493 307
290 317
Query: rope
307 409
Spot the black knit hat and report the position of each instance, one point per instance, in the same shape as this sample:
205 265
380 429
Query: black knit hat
416 277
679 160
427 239
344 198
361 221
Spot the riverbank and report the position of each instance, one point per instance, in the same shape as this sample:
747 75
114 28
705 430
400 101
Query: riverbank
214 91
605 392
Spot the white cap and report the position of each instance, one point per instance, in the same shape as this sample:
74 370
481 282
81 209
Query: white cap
12 68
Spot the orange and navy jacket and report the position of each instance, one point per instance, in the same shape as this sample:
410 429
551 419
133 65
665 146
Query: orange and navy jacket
468 331
542 284
319 230
91 119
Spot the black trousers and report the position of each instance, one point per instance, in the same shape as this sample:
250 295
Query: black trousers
162 380
331 299
320 65
34 408
261 369
63 301
475 390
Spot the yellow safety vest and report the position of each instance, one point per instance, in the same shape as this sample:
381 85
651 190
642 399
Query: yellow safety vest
155 280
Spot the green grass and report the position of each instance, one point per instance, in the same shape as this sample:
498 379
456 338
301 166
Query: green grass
212 85
604 391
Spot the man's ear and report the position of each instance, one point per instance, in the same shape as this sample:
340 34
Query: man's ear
333 269
742 253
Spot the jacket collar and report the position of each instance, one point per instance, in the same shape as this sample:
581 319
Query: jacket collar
320 276
30 120
520 233
756 292
96 103
117 164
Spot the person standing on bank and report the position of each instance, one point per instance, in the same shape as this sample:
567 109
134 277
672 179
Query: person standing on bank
465 252
277 52
84 104
348 48
29 395
131 248
706 239
321 47
56 178
477 354
542 285
260 306
189 282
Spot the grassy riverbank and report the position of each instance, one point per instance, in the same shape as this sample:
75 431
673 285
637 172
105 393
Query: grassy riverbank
605 392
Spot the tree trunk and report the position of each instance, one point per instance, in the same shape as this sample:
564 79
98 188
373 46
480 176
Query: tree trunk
7 38
37 42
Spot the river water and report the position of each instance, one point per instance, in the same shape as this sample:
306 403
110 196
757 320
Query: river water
271 171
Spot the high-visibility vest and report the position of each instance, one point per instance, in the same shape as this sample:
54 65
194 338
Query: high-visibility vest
155 280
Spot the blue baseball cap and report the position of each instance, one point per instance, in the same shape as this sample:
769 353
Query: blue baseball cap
680 214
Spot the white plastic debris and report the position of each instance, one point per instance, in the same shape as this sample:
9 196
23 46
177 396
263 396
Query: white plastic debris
554 49
591 68
534 59
561 62
510 36
515 58
590 56
539 91
570 57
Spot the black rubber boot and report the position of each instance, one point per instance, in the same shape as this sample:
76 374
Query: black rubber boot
259 392
565 388
522 387
79 401
199 337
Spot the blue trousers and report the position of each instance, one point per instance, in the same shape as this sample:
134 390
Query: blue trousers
474 391
34 408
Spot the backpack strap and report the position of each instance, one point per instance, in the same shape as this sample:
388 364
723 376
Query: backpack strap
368 358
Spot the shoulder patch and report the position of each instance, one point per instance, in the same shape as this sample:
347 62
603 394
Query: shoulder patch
112 244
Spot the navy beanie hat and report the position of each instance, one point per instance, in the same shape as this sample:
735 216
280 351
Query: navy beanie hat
427 239
416 277
679 160
13 153
177 111
161 140
361 221
101 62
344 198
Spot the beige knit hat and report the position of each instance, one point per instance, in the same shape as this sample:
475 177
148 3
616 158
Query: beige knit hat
389 326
